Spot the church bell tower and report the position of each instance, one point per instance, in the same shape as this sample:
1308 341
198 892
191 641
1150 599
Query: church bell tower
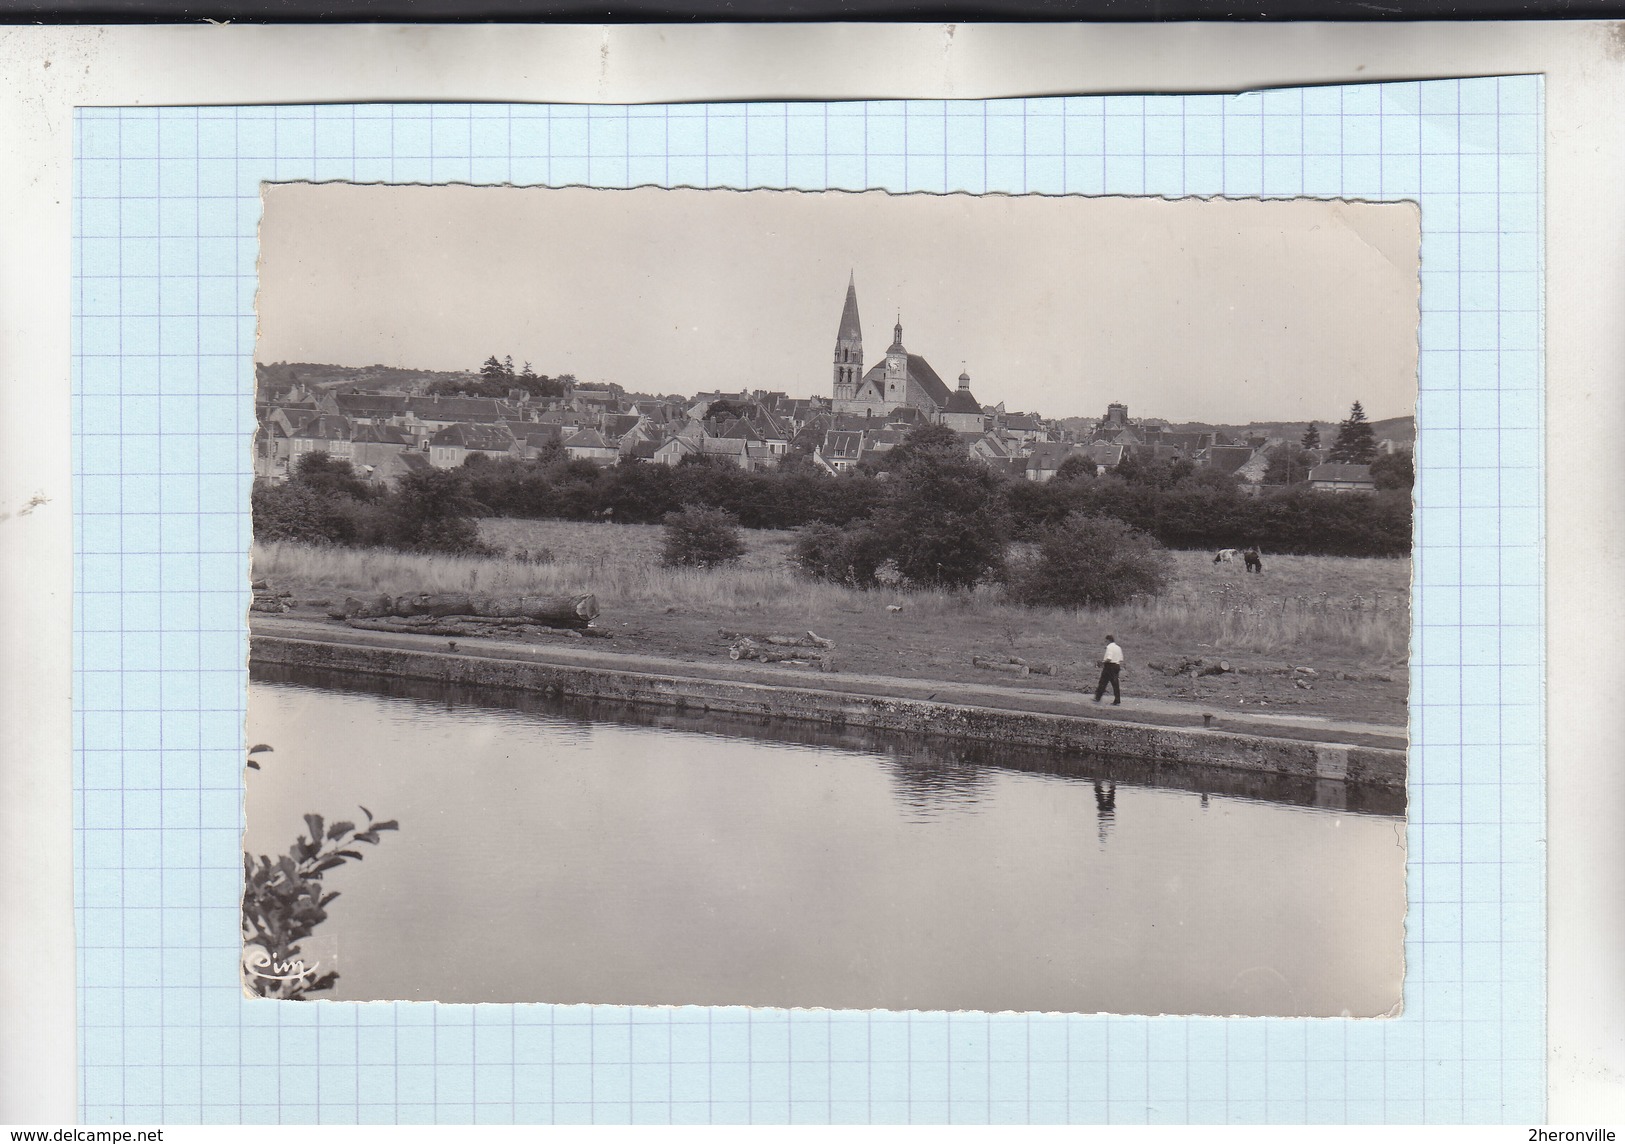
849 346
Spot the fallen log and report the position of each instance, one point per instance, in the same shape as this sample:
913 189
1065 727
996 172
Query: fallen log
806 639
492 627
999 665
550 611
554 611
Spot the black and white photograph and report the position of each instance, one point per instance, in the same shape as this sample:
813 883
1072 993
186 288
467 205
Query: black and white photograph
830 600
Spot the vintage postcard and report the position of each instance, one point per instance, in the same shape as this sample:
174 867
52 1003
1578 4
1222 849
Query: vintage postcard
831 600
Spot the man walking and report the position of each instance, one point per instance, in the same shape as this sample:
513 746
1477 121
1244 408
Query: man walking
1111 665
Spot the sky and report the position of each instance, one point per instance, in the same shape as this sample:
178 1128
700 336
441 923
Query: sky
1203 310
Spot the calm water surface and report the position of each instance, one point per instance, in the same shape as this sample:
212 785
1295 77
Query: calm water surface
640 857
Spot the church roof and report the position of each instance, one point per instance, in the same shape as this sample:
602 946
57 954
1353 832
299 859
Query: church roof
850 328
962 402
921 373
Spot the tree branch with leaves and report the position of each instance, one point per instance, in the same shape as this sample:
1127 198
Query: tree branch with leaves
284 900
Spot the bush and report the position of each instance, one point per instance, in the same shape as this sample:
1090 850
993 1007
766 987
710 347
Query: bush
702 537
945 520
1093 561
1394 470
431 511
850 555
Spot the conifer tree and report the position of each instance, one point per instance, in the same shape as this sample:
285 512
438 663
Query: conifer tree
491 369
1356 443
1311 437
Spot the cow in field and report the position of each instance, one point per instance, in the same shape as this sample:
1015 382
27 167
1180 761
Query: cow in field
1226 555
1255 562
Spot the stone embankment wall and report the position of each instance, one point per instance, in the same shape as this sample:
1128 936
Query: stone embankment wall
1069 733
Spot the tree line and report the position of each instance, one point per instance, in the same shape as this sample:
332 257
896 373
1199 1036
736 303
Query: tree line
927 478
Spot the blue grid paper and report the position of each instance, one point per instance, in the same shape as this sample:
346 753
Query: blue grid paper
165 214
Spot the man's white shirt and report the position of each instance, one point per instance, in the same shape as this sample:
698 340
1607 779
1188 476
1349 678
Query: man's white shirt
1114 654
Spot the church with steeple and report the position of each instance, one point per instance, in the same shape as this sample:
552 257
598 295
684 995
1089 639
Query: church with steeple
899 379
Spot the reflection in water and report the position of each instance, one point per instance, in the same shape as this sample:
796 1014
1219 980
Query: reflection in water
1106 807
940 772
573 853
928 783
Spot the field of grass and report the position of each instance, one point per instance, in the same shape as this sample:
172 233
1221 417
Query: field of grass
1301 606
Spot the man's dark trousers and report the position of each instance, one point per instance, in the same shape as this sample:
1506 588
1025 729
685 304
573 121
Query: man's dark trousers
1108 674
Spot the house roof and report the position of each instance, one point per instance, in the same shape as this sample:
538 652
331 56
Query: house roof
680 445
961 401
536 435
1048 455
841 445
741 430
1338 471
919 371
724 446
381 435
369 404
768 426
645 450
1102 454
324 427
1228 458
586 439
1022 422
461 409
413 462
617 425
485 438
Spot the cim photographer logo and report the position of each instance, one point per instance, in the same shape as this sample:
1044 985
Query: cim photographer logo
258 962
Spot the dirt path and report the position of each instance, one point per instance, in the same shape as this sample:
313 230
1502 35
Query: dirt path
1052 699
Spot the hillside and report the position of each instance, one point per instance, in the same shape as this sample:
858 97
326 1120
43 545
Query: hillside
1401 430
376 377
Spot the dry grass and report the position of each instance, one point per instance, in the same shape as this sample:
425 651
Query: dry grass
1353 607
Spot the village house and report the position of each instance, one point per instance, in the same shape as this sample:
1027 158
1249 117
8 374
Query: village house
368 408
1044 458
374 448
1104 457
1225 458
273 451
324 433
675 448
841 449
427 415
451 446
589 445
531 438
1337 477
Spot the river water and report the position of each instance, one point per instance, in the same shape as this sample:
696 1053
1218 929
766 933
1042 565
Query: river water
550 851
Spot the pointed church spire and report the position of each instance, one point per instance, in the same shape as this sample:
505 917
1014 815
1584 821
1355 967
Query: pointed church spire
850 327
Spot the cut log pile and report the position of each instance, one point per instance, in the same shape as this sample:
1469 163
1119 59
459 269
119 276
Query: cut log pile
268 599
809 649
469 614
